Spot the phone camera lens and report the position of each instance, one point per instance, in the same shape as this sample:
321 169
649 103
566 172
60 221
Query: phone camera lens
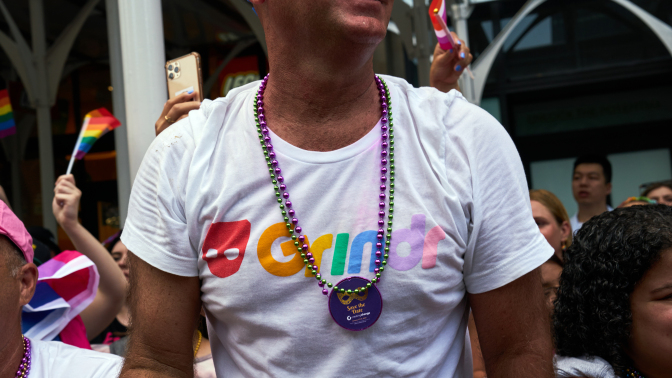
171 75
177 69
170 67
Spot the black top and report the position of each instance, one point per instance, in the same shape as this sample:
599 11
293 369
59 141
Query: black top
112 333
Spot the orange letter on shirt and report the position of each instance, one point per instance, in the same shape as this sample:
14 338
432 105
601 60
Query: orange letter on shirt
273 266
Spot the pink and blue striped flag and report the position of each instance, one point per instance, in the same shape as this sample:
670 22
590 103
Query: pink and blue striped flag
439 17
7 124
67 284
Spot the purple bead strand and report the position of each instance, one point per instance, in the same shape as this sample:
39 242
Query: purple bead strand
282 194
24 367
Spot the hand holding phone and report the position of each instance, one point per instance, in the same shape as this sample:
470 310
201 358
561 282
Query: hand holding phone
184 75
175 109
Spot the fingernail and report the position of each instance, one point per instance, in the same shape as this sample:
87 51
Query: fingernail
190 91
462 55
450 51
458 67
459 42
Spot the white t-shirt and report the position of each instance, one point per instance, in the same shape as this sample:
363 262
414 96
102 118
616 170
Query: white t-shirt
576 225
203 205
53 359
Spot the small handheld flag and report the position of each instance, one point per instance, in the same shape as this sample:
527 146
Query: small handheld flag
7 125
96 124
437 13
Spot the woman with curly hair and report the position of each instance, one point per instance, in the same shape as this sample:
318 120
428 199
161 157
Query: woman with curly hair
613 314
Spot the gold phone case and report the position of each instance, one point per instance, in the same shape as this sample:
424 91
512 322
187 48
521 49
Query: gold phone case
184 74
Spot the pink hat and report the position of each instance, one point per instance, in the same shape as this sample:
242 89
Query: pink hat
14 229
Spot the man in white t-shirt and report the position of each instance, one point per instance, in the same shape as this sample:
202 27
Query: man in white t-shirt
210 220
18 354
591 186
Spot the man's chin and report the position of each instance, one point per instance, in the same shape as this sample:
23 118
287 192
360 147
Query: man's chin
365 30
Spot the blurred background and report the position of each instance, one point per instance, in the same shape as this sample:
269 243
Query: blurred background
564 77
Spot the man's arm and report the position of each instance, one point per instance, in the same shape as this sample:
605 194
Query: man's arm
164 315
514 329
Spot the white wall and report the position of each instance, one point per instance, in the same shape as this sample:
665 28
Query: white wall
635 168
630 170
555 176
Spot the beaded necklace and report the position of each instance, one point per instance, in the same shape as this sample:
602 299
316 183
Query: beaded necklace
198 343
363 290
633 373
24 367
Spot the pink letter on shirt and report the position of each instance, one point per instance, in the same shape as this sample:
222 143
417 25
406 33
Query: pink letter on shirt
223 236
415 236
434 236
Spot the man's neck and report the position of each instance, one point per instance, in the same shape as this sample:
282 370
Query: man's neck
587 211
320 106
11 352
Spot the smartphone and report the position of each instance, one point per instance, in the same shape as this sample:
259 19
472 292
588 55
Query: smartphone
184 74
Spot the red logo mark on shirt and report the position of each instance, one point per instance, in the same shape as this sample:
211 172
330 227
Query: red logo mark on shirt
229 237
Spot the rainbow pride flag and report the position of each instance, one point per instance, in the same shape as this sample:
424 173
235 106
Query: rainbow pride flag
67 284
96 124
438 15
7 125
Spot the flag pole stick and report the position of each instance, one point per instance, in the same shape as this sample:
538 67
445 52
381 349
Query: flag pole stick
79 141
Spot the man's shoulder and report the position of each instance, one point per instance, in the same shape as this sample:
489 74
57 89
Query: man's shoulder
419 94
234 100
211 116
431 107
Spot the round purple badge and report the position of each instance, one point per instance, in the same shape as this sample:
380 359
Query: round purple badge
356 311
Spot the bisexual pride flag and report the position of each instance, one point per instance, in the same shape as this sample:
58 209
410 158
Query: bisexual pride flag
67 284
96 124
439 17
7 125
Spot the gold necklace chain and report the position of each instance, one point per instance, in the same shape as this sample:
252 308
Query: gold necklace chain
198 343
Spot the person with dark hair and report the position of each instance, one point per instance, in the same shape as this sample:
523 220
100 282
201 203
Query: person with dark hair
661 192
118 328
112 288
21 356
613 314
591 185
45 237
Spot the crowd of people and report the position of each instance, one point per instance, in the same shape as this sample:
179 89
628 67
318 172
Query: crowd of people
504 284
